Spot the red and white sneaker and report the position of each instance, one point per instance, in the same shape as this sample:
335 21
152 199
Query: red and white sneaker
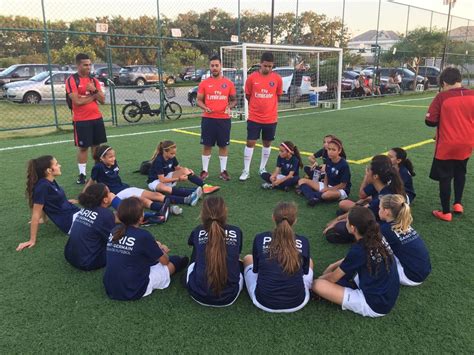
447 217
224 175
203 175
209 189
458 208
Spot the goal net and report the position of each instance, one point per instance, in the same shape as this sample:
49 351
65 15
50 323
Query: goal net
311 75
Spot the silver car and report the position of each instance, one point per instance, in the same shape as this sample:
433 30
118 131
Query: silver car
37 88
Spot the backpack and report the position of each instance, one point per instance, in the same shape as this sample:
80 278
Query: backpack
77 81
144 167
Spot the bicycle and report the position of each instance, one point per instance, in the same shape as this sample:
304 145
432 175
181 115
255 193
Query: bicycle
134 111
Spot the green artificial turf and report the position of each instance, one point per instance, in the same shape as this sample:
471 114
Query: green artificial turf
48 306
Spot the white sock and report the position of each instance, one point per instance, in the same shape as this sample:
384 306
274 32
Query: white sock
265 155
205 162
223 161
82 168
248 152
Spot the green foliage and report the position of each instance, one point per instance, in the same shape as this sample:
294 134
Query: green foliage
67 54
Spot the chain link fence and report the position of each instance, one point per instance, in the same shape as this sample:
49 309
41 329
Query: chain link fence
153 44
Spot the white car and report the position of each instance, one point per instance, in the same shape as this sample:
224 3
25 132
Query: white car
286 74
38 88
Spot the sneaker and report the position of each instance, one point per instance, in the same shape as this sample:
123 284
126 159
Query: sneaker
298 191
81 179
224 175
244 176
447 217
176 210
262 171
193 198
203 175
267 186
154 219
458 208
313 202
199 191
209 189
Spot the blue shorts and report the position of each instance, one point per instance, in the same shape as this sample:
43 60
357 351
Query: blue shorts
215 130
254 129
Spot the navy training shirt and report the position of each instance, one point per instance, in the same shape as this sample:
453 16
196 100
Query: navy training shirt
338 173
323 154
198 284
410 250
380 287
161 166
288 165
108 176
276 289
55 204
88 237
407 183
374 204
128 264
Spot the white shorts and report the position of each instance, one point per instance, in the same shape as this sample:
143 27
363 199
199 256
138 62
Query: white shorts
241 286
154 184
354 300
251 283
342 192
404 280
159 278
130 192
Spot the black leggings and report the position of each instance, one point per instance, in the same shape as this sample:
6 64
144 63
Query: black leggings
445 190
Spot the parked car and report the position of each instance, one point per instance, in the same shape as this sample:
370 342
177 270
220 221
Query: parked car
194 75
141 75
431 73
102 74
407 75
348 81
37 88
286 74
20 72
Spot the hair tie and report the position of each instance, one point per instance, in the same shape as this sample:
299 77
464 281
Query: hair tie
214 219
286 147
105 151
170 147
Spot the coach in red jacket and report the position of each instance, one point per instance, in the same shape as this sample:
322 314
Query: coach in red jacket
452 113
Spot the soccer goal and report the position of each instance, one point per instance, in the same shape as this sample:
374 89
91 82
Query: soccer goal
311 76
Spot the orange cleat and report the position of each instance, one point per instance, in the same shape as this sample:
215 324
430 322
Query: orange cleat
447 217
458 208
209 189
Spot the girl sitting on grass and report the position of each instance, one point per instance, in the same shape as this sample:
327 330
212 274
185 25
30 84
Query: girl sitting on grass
136 263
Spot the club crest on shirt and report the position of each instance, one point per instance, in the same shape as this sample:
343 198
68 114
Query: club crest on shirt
224 85
271 83
334 171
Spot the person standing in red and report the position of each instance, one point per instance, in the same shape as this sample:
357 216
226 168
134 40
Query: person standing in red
452 113
85 92
262 90
216 96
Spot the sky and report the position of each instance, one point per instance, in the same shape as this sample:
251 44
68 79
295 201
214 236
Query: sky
360 15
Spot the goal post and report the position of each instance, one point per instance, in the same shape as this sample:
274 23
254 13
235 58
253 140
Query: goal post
312 76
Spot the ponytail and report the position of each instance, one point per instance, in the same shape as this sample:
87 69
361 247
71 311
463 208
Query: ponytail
36 169
401 154
387 174
400 211
364 221
163 146
129 212
282 246
214 219
396 182
93 196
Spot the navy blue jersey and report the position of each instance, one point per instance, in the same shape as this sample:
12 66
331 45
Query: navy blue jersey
160 166
108 176
407 183
128 264
371 191
380 287
410 250
338 173
374 204
323 154
288 165
55 204
276 289
198 284
88 237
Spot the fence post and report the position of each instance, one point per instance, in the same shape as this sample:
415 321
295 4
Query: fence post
159 62
113 104
238 21
46 39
